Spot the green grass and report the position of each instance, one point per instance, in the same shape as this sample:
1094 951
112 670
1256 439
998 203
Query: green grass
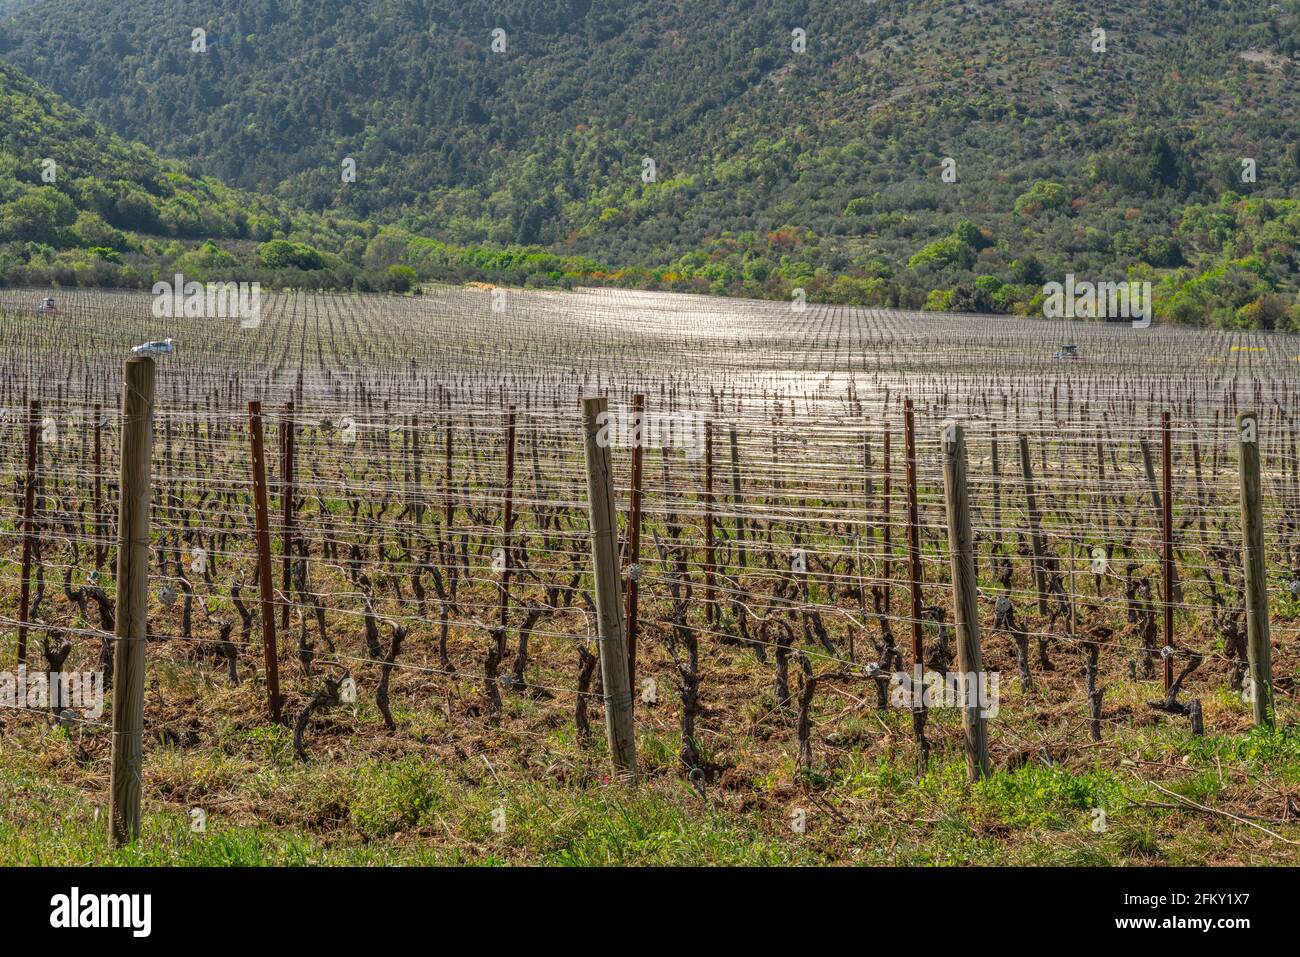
265 809
406 812
1261 749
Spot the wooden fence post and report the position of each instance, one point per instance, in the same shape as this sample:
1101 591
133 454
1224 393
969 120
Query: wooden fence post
29 525
1157 503
914 581
997 490
1259 652
1035 536
886 535
609 607
286 506
130 639
965 605
265 585
736 501
507 530
711 612
1167 543
449 506
868 534
97 506
742 560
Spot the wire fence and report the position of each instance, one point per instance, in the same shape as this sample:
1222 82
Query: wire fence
428 511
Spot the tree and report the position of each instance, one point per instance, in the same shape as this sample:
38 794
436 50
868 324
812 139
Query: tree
401 278
38 216
1042 195
282 254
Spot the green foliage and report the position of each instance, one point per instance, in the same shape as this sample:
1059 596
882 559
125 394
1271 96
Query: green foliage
78 205
39 215
282 254
1036 796
404 794
1147 163
206 263
939 300
948 251
90 229
1275 749
1043 195
858 206
956 249
402 278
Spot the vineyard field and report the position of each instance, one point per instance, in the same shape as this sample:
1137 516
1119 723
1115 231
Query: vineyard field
784 542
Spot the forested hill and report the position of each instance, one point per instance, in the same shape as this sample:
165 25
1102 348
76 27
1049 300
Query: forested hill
77 203
774 166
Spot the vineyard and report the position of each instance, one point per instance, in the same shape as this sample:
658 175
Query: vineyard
406 665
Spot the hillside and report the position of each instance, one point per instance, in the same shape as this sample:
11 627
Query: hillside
78 204
773 168
81 206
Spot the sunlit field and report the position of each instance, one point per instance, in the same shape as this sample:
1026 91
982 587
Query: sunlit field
434 604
